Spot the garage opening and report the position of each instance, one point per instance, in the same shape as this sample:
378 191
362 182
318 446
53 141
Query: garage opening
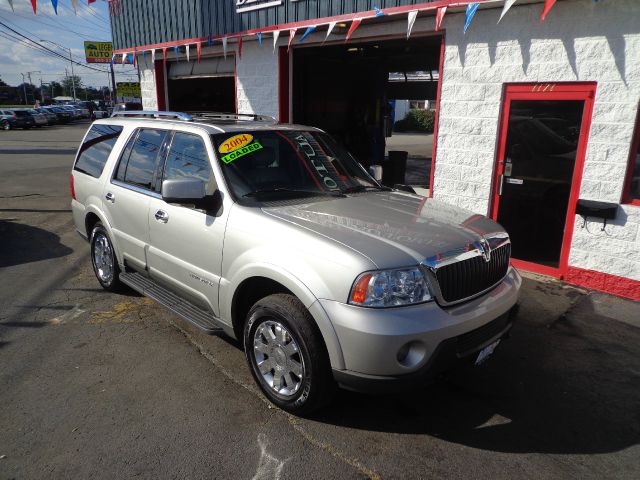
377 98
208 86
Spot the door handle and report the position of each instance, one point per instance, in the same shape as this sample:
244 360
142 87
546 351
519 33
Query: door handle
500 182
110 197
162 216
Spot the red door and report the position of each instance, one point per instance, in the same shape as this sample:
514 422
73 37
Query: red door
542 143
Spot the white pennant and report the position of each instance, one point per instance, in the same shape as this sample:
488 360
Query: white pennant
153 56
11 4
411 19
329 30
75 6
224 46
124 58
276 34
507 5
187 49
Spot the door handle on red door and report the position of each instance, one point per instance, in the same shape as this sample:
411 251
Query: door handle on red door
110 197
162 216
500 182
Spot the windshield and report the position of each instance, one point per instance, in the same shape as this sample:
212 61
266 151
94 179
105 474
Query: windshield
288 163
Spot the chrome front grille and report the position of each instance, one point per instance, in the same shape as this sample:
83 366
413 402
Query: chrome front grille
464 279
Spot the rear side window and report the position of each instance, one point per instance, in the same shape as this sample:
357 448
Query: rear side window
138 164
96 149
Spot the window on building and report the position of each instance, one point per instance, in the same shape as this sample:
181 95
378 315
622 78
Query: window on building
138 163
632 185
96 149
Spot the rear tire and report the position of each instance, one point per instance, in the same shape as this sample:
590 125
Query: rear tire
287 355
5 125
104 260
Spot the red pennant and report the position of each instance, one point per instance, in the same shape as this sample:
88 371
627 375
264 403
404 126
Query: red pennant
548 5
355 24
440 17
198 48
292 33
34 4
164 57
240 47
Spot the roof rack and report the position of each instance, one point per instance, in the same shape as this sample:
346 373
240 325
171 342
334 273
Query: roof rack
153 114
232 116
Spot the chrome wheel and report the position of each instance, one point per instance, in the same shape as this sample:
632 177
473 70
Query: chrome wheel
278 358
103 258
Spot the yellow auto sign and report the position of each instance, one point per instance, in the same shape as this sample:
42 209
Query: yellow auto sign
128 89
236 142
98 52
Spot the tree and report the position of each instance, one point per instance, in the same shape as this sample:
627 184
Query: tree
3 84
67 85
56 89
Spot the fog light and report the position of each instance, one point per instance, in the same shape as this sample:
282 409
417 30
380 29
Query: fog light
411 354
403 352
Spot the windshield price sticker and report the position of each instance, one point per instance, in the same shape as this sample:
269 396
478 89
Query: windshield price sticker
235 142
241 152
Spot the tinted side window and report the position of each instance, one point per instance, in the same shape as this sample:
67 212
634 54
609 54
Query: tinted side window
187 158
143 159
96 149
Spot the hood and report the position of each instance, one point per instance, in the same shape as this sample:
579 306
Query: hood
392 229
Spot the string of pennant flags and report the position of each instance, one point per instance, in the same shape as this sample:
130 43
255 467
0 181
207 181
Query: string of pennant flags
471 9
54 3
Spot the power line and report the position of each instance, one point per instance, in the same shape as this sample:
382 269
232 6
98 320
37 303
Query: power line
40 21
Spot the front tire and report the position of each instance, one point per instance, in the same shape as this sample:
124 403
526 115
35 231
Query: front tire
287 355
103 259
5 125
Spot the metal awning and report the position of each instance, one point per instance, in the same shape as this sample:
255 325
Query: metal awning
207 68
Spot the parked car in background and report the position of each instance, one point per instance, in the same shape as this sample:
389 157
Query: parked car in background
73 110
127 106
84 111
9 120
99 114
64 115
52 118
39 119
24 119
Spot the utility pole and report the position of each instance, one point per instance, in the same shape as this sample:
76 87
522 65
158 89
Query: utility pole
31 82
113 86
24 88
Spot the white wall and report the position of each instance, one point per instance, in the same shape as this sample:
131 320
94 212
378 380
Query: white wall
580 40
147 83
257 78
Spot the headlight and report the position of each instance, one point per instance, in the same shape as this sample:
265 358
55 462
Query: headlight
390 288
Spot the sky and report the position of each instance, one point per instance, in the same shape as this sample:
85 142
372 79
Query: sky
66 29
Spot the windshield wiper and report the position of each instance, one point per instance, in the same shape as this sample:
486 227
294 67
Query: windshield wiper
364 188
310 193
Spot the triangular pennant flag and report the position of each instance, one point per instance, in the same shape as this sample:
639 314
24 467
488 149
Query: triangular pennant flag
144 58
440 16
34 4
548 5
124 58
135 58
113 58
186 47
330 29
259 35
198 50
210 41
306 33
176 52
75 6
224 46
507 5
11 5
379 12
164 57
472 8
276 35
292 33
411 19
354 25
55 5
240 47
153 56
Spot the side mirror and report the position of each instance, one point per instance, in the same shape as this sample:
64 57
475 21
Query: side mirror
376 172
190 191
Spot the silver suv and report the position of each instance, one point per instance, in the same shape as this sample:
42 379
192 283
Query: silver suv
276 236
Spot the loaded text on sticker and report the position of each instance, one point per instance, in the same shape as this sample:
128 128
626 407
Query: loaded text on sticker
235 142
241 152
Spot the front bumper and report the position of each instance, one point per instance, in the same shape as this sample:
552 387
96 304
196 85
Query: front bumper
383 345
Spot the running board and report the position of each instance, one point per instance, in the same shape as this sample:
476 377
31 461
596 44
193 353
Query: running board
200 318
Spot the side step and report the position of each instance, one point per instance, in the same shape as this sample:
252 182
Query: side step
200 318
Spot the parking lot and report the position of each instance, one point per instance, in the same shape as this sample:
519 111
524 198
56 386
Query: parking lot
98 385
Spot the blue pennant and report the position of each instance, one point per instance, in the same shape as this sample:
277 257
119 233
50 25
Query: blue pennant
176 52
130 58
210 40
472 8
259 34
55 5
307 33
379 12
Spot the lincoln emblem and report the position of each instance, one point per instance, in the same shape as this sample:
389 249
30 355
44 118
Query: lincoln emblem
486 250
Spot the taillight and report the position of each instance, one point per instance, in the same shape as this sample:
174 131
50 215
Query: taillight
73 189
14 117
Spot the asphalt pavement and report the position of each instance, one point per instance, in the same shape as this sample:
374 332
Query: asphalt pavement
98 385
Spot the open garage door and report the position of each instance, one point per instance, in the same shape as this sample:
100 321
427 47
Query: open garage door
208 86
377 98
